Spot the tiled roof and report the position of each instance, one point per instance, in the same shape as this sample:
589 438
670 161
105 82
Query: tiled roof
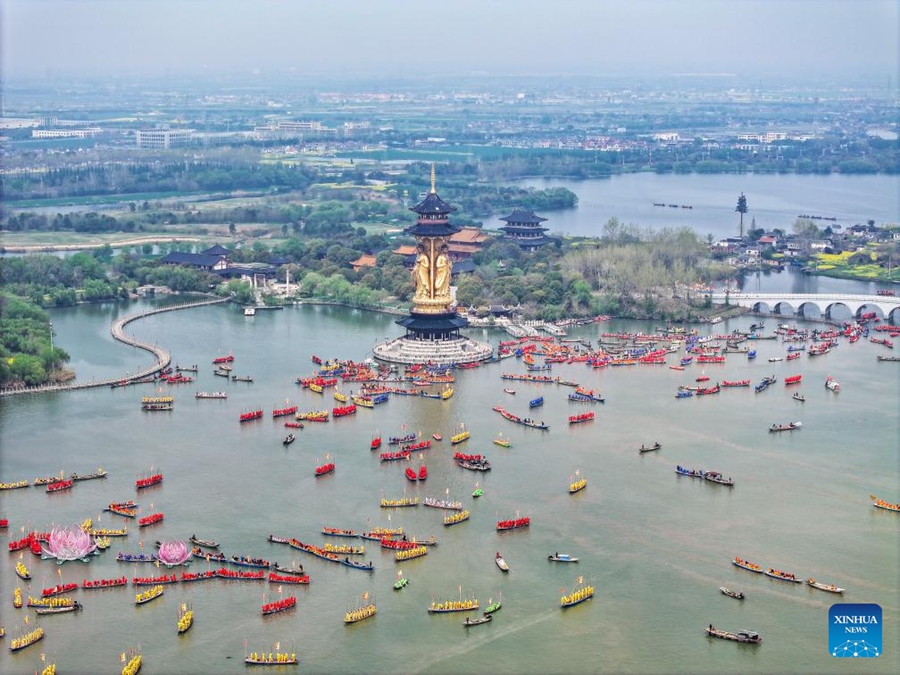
196 259
364 260
521 216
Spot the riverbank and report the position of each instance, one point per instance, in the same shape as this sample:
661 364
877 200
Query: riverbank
44 245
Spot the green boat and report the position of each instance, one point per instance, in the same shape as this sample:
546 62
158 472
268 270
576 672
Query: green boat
491 608
401 583
478 492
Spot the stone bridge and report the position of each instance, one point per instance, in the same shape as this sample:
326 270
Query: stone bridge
793 304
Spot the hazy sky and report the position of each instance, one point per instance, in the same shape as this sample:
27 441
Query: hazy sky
415 37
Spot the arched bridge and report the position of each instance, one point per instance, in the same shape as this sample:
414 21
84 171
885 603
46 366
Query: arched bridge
886 307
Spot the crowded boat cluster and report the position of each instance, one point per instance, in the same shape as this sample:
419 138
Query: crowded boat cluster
613 349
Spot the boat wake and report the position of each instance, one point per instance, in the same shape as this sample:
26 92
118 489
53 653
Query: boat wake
476 641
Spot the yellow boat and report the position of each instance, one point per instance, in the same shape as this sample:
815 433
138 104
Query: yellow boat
185 619
361 613
133 666
577 486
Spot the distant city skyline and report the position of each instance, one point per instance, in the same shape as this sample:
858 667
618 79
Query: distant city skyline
402 38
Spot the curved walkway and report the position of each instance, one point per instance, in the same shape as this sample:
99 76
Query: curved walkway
163 357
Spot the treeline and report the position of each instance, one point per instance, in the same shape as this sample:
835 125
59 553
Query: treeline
26 355
178 176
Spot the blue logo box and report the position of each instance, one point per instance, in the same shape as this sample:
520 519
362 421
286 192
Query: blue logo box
854 630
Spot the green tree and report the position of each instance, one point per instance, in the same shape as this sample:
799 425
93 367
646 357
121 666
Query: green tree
742 209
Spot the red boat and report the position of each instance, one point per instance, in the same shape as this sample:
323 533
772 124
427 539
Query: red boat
411 475
284 579
343 411
708 390
279 605
281 412
153 581
710 359
147 482
796 355
397 544
423 472
376 443
793 379
223 359
19 544
59 589
294 425
151 520
60 485
252 415
583 417
316 360
104 583
735 383
4 523
422 445
325 469
513 524
703 378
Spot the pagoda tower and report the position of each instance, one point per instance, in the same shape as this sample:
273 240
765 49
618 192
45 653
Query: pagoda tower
432 327
524 228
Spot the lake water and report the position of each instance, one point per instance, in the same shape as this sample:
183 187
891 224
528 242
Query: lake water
655 545
774 201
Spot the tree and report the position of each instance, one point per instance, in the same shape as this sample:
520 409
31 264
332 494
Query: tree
742 209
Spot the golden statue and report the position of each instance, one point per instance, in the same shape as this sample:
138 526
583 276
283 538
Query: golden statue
442 268
422 274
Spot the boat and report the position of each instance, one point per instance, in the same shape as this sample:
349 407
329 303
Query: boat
881 504
288 439
655 446
282 412
583 417
410 475
279 605
152 519
683 393
831 588
577 485
735 383
509 391
765 383
502 442
185 619
241 378
149 595
716 477
249 311
423 472
832 384
104 583
485 618
561 557
492 607
361 612
334 532
501 562
799 397
149 481
376 442
206 543
738 595
513 524
477 492
290 580
747 565
792 379
456 439
324 469
790 426
26 640
536 402
271 659
437 437
99 473
223 359
691 473
22 571
401 583
776 359
580 593
412 552
783 576
61 609
748 636
450 606
296 571
60 485
456 518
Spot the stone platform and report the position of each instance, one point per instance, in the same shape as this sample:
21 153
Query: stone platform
449 351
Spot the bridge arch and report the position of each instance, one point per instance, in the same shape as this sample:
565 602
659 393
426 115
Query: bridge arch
779 308
809 310
761 308
893 317
866 308
838 311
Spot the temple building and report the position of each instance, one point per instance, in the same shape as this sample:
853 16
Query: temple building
432 327
524 227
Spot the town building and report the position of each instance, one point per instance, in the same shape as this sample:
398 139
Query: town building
163 139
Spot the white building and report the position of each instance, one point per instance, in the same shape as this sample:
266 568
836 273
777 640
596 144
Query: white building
164 138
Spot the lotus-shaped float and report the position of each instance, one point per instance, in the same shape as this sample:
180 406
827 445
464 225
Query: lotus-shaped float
67 543
174 552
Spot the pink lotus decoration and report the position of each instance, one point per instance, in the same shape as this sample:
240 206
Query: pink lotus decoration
173 552
68 543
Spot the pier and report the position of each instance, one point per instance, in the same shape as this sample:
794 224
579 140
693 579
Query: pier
163 356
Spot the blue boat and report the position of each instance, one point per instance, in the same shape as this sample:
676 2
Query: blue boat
751 355
380 398
358 565
692 473
683 393
535 402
